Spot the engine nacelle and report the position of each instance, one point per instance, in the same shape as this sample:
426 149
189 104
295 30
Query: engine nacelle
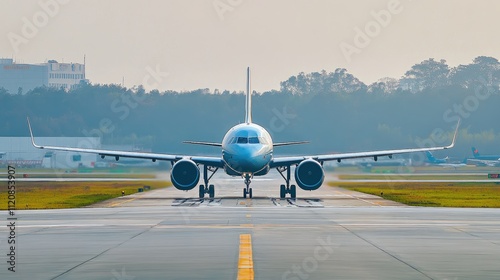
309 175
185 174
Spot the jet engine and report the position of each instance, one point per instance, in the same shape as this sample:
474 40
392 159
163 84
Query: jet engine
185 174
309 175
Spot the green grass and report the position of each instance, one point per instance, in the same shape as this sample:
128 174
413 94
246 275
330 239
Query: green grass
90 175
57 195
432 194
393 176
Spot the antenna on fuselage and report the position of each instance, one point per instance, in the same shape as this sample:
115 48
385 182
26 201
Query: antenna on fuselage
248 115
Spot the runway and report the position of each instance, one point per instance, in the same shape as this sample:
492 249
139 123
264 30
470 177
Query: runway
327 234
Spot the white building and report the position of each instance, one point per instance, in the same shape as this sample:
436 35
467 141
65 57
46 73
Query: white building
20 152
18 77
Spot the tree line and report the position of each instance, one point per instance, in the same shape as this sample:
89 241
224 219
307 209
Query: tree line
335 111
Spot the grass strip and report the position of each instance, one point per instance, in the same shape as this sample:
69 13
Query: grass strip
58 195
411 177
474 195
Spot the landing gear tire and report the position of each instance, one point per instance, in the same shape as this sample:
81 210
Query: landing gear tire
282 191
206 188
244 193
211 191
293 191
201 191
250 193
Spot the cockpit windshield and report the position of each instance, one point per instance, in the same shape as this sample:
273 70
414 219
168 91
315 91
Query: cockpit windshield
247 140
242 140
253 140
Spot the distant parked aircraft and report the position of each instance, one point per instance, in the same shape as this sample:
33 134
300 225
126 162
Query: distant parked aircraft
477 155
444 162
433 160
487 160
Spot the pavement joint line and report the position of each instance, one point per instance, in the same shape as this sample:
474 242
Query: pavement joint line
358 198
414 267
245 259
122 202
104 252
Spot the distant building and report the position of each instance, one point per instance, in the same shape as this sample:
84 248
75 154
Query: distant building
20 152
17 77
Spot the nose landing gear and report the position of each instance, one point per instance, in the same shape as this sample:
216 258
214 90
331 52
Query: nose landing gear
247 190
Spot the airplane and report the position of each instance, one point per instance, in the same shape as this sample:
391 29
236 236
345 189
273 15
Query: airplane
479 160
443 161
477 155
433 160
247 150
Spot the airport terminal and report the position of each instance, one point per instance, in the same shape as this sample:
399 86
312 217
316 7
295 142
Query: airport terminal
20 152
22 77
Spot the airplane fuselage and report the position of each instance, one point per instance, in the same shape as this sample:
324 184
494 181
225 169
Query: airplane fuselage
247 148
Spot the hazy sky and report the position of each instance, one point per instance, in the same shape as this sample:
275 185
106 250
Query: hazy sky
209 43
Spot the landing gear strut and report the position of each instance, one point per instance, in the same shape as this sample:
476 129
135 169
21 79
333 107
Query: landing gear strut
247 190
206 188
284 189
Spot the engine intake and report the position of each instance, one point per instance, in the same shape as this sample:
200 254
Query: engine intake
309 175
185 174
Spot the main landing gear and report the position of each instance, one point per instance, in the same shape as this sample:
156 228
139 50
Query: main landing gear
206 188
247 190
284 189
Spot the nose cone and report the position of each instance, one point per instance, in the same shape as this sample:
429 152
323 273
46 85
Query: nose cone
247 159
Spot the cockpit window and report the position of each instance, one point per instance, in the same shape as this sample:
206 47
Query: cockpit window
247 140
253 140
242 140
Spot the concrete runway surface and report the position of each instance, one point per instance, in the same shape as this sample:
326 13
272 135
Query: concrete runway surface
326 234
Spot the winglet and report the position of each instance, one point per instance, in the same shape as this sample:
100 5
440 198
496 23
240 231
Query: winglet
248 107
454 136
31 133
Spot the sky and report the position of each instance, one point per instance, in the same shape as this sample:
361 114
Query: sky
190 44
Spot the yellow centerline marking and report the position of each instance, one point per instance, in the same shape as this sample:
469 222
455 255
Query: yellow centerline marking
245 260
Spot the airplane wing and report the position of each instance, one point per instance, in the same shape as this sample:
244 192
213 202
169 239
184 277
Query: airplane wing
289 143
209 161
285 161
203 143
